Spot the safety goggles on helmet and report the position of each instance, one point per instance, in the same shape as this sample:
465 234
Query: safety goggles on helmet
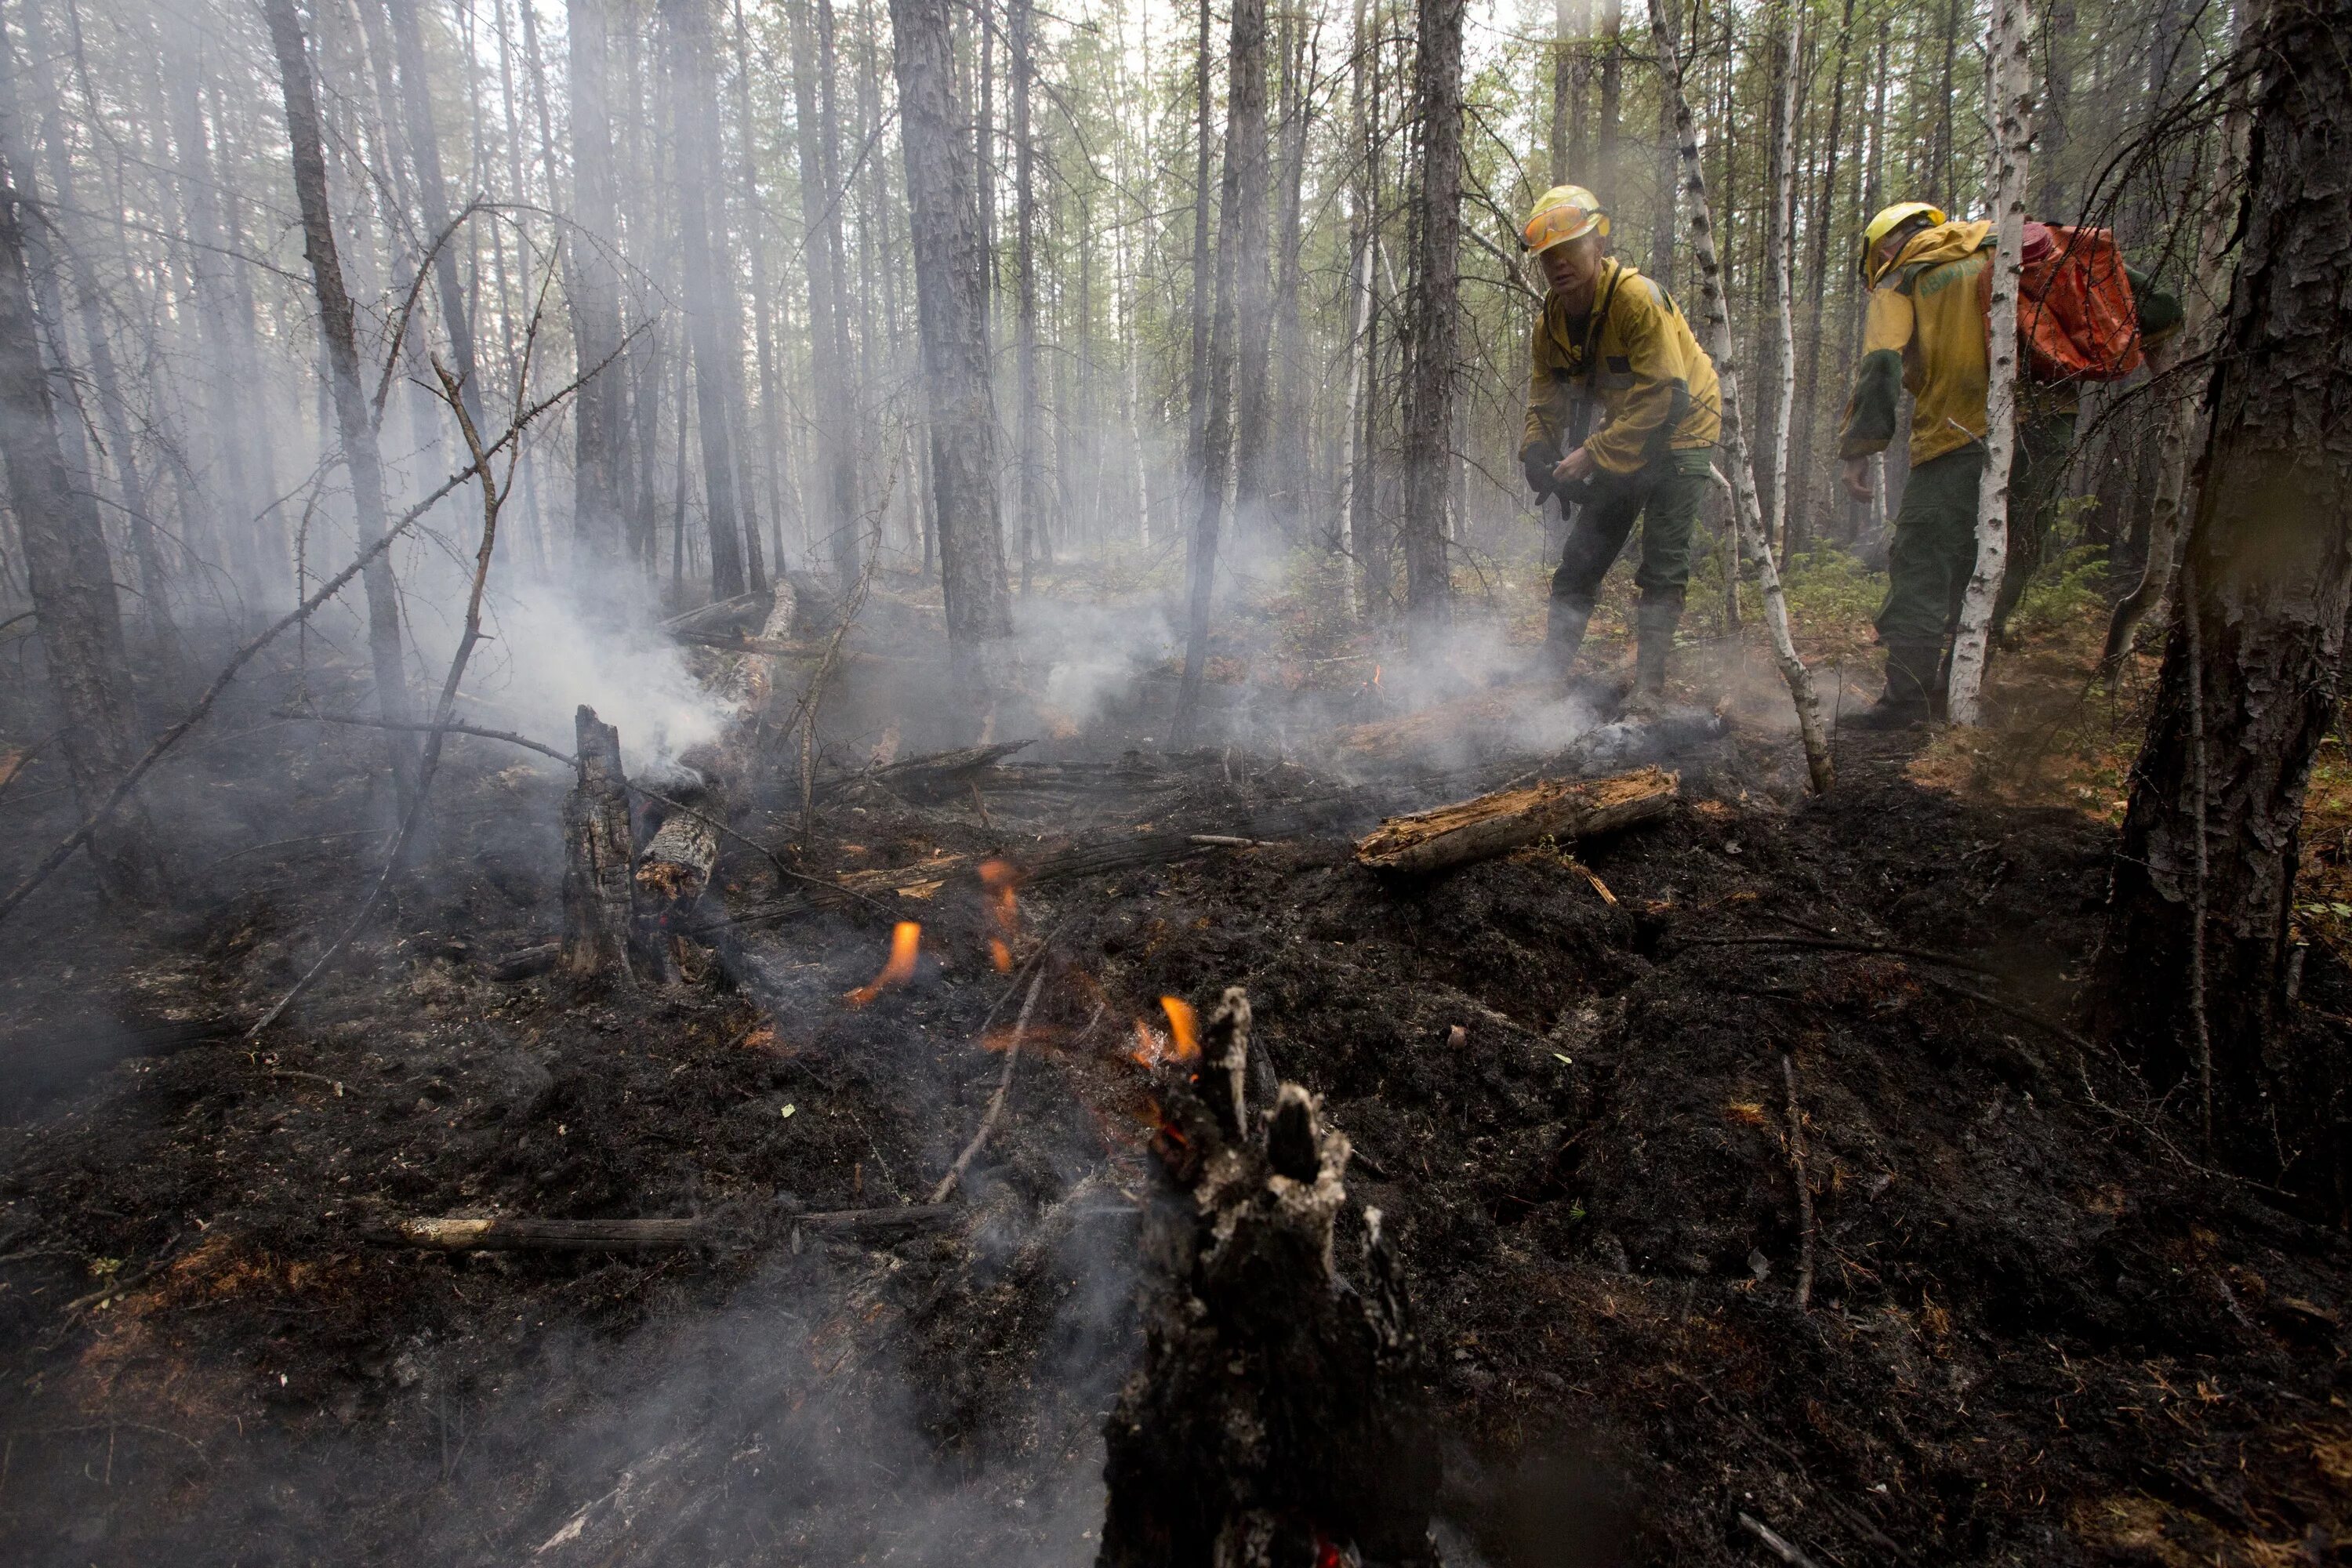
1888 220
1561 214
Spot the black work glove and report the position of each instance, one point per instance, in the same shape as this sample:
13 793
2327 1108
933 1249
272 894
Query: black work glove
1536 462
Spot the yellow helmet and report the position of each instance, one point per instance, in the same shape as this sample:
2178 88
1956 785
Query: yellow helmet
1888 220
1561 214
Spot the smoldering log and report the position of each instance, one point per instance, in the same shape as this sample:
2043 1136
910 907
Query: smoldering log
928 778
599 856
1276 1416
676 866
1497 823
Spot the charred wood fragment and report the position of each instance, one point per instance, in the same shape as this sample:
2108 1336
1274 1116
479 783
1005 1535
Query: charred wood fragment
599 856
870 1227
1276 1417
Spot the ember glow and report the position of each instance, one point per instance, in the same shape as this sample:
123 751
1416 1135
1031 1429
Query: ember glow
1000 878
906 942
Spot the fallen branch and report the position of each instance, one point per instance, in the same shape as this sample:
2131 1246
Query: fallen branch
1804 1188
1775 1543
525 1234
1497 823
940 774
1003 1086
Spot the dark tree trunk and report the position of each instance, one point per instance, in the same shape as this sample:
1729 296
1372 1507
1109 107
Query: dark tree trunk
1429 374
1289 418
1248 169
1245 146
2248 689
595 308
834 512
353 418
1019 43
1661 232
951 285
72 584
1204 279
695 89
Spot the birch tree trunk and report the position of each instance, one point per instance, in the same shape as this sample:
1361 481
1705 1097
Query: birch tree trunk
1747 515
2193 978
950 284
2012 90
1780 241
354 420
1426 442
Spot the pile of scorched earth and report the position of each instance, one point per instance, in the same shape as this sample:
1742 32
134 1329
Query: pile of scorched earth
2036 1334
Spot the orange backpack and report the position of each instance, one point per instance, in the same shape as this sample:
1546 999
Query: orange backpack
2076 318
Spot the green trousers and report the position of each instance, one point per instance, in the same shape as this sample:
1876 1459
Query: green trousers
1935 548
1664 498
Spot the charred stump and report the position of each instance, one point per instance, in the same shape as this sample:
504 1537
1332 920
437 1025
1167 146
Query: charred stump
600 856
1275 1418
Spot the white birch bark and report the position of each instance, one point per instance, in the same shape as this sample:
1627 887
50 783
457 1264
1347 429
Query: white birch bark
2011 82
1784 326
1748 516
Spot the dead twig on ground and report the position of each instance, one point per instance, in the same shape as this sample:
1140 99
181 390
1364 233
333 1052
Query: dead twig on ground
1774 1543
1003 1084
1804 1188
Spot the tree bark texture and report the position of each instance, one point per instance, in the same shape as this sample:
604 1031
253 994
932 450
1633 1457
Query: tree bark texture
1275 1417
2252 660
1426 446
354 419
433 195
1019 42
951 287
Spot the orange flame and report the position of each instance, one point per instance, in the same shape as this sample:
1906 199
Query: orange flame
1184 1027
1000 878
906 941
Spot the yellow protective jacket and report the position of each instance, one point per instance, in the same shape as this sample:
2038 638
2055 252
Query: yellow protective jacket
1656 386
1925 330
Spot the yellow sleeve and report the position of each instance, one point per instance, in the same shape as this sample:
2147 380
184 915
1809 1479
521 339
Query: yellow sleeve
1547 391
1870 413
1642 422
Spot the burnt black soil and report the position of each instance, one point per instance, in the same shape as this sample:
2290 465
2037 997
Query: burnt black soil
2038 1333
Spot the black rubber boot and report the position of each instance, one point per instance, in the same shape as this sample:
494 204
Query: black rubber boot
1910 677
1564 635
1653 633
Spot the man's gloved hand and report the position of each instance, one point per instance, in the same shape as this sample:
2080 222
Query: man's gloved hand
1537 462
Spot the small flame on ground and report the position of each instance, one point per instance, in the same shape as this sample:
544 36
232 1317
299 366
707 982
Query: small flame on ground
1000 878
1184 1027
906 942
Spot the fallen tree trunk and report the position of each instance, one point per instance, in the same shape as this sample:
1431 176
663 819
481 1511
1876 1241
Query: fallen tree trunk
1497 823
932 777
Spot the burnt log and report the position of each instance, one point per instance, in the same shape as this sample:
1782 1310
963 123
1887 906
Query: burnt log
676 865
1278 1415
1491 825
599 856
870 1228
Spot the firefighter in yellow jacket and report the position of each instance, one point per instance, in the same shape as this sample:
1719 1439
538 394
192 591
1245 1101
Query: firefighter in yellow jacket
1611 343
1923 331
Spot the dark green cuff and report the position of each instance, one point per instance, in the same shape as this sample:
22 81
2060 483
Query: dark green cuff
2160 314
1877 397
